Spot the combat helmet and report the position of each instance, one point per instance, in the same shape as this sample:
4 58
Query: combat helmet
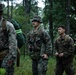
36 18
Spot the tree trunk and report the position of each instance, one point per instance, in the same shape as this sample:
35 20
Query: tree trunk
51 24
68 16
45 14
27 6
23 2
11 9
8 9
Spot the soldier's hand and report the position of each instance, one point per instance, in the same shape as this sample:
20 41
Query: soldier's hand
56 54
45 56
10 62
61 54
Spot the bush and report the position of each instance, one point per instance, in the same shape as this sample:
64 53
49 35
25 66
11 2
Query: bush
2 71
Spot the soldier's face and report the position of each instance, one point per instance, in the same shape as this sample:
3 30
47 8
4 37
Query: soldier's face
61 30
35 24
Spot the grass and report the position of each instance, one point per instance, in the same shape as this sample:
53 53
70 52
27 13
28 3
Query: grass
26 67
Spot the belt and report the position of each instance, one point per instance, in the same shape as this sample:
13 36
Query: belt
3 54
4 49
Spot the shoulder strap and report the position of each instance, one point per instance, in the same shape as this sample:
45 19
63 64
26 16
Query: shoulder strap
67 37
40 32
4 25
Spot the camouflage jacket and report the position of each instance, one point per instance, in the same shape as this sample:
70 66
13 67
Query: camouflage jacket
65 45
39 43
11 44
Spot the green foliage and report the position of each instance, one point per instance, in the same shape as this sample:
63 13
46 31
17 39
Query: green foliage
26 66
2 71
57 9
22 18
19 14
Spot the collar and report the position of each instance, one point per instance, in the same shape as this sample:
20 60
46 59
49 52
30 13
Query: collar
36 29
62 37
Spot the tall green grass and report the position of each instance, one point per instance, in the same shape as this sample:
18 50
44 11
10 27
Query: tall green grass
26 66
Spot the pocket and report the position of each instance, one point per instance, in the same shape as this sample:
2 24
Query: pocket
3 54
38 41
37 44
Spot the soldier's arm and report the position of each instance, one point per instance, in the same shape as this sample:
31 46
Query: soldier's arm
70 50
56 47
12 41
11 56
47 41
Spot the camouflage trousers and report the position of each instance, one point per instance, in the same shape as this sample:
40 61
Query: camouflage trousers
9 70
60 68
39 67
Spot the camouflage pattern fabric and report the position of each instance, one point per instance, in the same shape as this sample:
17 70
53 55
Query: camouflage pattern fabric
65 63
39 67
9 59
75 46
68 68
39 43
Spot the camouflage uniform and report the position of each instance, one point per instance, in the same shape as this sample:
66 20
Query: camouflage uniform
39 43
65 63
11 47
8 45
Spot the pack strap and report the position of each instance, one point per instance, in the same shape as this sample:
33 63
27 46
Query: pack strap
18 31
4 28
3 54
74 44
3 24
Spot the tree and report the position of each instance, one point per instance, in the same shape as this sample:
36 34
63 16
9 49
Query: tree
48 18
27 4
51 24
11 9
68 16
8 9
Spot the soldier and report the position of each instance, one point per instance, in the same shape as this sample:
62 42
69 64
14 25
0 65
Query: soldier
39 45
8 44
64 47
75 46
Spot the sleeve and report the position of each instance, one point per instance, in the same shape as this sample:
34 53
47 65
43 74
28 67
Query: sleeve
70 50
12 41
56 46
47 42
12 47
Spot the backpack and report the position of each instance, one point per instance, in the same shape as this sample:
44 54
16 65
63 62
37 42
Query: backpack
19 34
21 41
75 47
